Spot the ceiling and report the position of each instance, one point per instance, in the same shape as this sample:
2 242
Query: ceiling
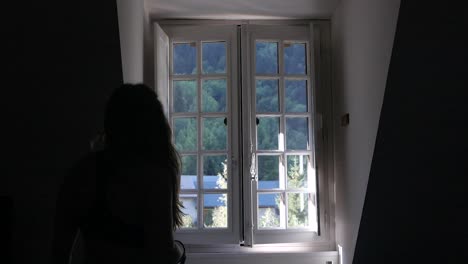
240 9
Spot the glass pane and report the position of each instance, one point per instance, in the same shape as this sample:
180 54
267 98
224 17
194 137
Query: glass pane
295 58
268 172
215 210
268 211
214 133
297 168
296 95
266 57
297 133
268 133
185 133
185 96
215 174
214 57
190 209
298 209
266 95
214 95
189 172
185 58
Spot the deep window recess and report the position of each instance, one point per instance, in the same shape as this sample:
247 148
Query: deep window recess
243 102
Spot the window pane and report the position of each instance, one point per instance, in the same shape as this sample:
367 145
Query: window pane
189 172
214 133
298 209
295 58
266 95
214 57
268 172
185 131
296 95
268 133
185 96
297 133
297 168
215 172
215 210
185 58
214 95
266 57
268 211
190 209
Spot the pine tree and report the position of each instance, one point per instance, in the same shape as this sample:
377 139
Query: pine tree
219 213
297 202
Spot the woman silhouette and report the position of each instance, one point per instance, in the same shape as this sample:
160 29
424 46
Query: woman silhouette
123 198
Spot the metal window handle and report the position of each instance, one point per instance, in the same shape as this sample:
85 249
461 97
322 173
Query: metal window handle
253 173
225 121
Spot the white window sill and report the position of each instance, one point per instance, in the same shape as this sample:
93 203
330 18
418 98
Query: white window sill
325 257
259 254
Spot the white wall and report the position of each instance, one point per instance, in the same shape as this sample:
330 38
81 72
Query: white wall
362 40
131 19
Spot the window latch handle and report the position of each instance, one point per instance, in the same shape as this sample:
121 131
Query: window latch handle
253 173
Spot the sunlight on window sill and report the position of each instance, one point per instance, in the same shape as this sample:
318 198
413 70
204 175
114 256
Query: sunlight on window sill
257 249
259 254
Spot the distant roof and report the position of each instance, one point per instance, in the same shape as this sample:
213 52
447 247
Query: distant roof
209 182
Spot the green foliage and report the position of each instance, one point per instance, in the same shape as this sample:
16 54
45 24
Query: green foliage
295 59
297 202
268 168
218 216
214 133
267 133
185 130
189 165
296 176
214 99
269 219
185 96
266 57
266 96
214 95
185 59
296 96
214 57
298 210
187 221
297 133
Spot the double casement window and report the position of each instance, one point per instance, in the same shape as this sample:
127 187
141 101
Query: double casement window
246 103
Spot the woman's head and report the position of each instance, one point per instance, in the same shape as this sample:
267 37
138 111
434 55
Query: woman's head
135 125
135 121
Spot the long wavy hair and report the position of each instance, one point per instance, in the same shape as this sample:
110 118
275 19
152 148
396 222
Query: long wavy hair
135 125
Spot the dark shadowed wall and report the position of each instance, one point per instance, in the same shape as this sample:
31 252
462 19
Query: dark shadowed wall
415 209
62 60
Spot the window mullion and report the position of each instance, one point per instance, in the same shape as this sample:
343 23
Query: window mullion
201 203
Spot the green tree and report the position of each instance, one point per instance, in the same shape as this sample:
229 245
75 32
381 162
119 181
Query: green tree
269 219
187 221
297 202
219 215
185 96
185 134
